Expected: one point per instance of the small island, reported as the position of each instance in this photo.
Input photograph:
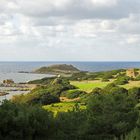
(61, 69)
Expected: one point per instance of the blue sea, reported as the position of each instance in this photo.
(9, 70)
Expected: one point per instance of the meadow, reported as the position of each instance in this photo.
(88, 86)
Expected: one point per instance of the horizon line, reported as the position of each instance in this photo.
(64, 61)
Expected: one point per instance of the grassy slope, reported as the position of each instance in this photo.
(88, 86)
(61, 107)
(132, 84)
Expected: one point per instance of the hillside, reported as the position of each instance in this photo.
(57, 69)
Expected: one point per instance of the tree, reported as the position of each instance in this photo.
(122, 80)
(20, 121)
(111, 115)
(114, 89)
(135, 91)
(71, 94)
(70, 125)
(96, 91)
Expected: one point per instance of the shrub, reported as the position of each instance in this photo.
(96, 91)
(43, 81)
(137, 78)
(107, 75)
(46, 94)
(122, 80)
(135, 91)
(111, 115)
(71, 94)
(78, 76)
(24, 122)
(114, 89)
(45, 99)
(40, 95)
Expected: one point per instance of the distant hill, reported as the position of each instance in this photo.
(57, 69)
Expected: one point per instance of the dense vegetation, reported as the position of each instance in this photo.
(122, 80)
(107, 116)
(108, 112)
(105, 75)
(24, 122)
(71, 94)
(45, 94)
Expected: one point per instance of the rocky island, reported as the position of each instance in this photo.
(61, 69)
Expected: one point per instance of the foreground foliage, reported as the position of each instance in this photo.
(24, 122)
(107, 116)
(109, 113)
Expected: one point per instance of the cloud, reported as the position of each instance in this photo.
(130, 25)
(70, 29)
(104, 3)
(76, 8)
(133, 39)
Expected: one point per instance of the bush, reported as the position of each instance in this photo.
(24, 122)
(111, 115)
(108, 75)
(78, 76)
(43, 81)
(107, 88)
(46, 94)
(118, 90)
(71, 94)
(135, 91)
(40, 95)
(45, 99)
(114, 89)
(122, 80)
(137, 78)
(96, 91)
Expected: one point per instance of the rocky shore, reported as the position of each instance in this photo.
(3, 93)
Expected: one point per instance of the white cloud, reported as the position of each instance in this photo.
(70, 29)
(133, 39)
(104, 3)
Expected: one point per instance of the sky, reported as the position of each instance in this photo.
(69, 30)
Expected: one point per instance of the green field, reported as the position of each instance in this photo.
(88, 86)
(62, 107)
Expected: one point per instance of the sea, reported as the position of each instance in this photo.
(10, 70)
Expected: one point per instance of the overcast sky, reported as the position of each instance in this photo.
(69, 30)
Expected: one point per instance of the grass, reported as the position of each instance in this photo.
(88, 86)
(62, 107)
(132, 84)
